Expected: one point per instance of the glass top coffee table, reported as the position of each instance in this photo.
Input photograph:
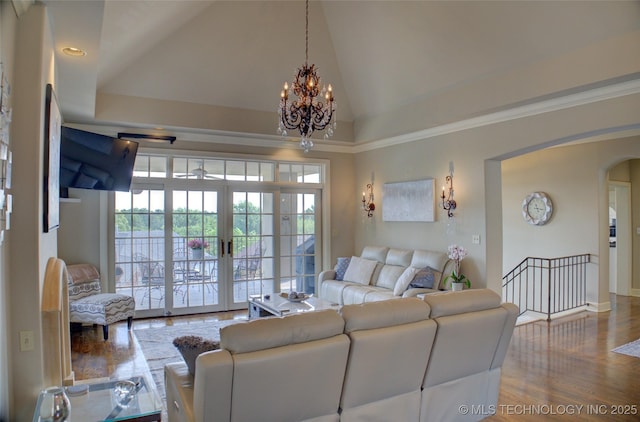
(274, 304)
(100, 403)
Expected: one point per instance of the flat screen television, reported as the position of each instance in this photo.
(93, 161)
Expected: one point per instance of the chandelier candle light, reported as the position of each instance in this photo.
(306, 113)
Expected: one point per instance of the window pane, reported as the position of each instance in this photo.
(253, 171)
(267, 171)
(141, 166)
(311, 174)
(235, 170)
(158, 167)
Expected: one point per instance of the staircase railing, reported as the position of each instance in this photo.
(547, 285)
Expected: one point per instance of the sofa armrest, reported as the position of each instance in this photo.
(213, 385)
(413, 292)
(179, 392)
(326, 275)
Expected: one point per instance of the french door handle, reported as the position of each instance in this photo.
(230, 248)
(222, 246)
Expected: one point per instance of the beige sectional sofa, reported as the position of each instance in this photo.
(382, 273)
(398, 360)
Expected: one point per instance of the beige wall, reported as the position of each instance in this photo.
(635, 223)
(571, 177)
(30, 248)
(476, 154)
(8, 22)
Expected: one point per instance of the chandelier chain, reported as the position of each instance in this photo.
(306, 37)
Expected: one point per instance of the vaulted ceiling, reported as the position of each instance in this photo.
(217, 67)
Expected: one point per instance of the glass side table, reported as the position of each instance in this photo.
(99, 403)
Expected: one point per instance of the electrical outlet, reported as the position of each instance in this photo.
(26, 341)
(475, 239)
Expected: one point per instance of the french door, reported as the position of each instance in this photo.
(200, 246)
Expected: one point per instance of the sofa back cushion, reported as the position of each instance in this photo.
(400, 257)
(376, 330)
(375, 253)
(268, 333)
(360, 270)
(470, 325)
(389, 275)
(453, 303)
(281, 362)
(435, 260)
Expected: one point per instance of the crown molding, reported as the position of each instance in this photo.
(611, 91)
(568, 101)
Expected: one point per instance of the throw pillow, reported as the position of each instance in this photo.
(360, 270)
(341, 267)
(191, 346)
(425, 278)
(405, 278)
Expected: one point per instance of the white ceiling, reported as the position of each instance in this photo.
(380, 56)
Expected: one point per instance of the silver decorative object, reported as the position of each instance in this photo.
(55, 405)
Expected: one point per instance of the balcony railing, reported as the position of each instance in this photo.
(547, 285)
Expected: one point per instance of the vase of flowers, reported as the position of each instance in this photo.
(456, 278)
(197, 247)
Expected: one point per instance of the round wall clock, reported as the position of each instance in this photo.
(537, 208)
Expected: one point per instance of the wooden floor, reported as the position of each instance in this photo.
(553, 371)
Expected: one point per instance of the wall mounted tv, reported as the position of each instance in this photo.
(93, 161)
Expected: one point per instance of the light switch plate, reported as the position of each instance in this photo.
(26, 341)
(475, 239)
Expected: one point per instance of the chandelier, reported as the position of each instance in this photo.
(307, 113)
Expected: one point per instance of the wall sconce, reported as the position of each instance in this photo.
(448, 203)
(367, 201)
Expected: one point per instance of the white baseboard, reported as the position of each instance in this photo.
(599, 307)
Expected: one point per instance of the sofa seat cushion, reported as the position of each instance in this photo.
(357, 294)
(379, 294)
(102, 309)
(360, 270)
(331, 290)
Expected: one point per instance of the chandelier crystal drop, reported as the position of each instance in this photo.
(314, 107)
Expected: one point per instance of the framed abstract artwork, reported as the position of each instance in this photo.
(409, 201)
(52, 126)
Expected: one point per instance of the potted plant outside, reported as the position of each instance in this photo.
(197, 247)
(456, 278)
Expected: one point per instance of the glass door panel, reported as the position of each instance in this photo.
(139, 248)
(253, 246)
(298, 230)
(195, 245)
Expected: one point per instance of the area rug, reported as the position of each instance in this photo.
(158, 349)
(631, 349)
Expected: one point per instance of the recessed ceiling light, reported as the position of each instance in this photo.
(75, 52)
